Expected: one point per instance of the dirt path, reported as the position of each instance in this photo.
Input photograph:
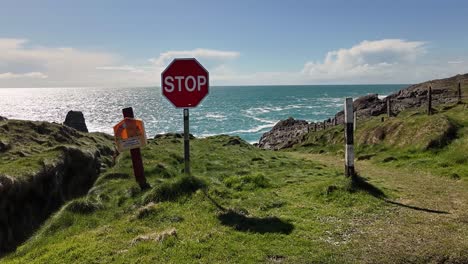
(428, 220)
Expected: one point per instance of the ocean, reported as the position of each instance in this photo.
(245, 111)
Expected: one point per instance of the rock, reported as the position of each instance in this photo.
(173, 135)
(76, 120)
(289, 132)
(365, 101)
(172, 232)
(284, 134)
(3, 118)
(4, 146)
(236, 141)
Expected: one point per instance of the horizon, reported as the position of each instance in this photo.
(122, 44)
(212, 86)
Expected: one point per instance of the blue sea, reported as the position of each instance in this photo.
(246, 111)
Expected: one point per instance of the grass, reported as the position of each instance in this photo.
(33, 145)
(243, 205)
(437, 143)
(246, 205)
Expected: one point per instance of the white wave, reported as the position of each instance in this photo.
(205, 135)
(381, 97)
(330, 99)
(252, 130)
(267, 109)
(215, 116)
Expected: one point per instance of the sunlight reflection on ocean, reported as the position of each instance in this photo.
(247, 111)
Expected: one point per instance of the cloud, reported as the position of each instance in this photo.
(33, 75)
(214, 60)
(23, 64)
(201, 54)
(366, 59)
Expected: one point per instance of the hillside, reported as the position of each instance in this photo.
(437, 143)
(287, 133)
(249, 205)
(42, 165)
(243, 204)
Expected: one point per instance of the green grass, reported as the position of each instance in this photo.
(436, 143)
(246, 205)
(33, 145)
(242, 205)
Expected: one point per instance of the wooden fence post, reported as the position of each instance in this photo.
(349, 138)
(315, 127)
(429, 101)
(459, 93)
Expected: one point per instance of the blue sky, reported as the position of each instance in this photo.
(128, 43)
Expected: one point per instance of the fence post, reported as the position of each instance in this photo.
(389, 107)
(315, 127)
(355, 121)
(459, 93)
(429, 101)
(349, 138)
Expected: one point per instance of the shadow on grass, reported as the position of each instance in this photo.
(416, 208)
(358, 183)
(244, 223)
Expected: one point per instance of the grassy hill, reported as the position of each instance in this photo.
(43, 165)
(436, 143)
(247, 205)
(243, 205)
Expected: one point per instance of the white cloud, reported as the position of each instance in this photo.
(23, 65)
(380, 61)
(33, 75)
(201, 54)
(214, 60)
(368, 58)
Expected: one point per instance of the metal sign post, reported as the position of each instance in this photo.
(186, 142)
(185, 82)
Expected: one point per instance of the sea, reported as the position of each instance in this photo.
(244, 111)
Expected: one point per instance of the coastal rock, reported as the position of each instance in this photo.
(365, 106)
(76, 120)
(289, 132)
(3, 118)
(284, 134)
(172, 135)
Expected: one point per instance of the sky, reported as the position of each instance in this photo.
(85, 43)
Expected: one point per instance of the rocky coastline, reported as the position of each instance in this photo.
(287, 133)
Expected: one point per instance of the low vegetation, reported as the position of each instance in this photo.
(247, 205)
(243, 204)
(436, 143)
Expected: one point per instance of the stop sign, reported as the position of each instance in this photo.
(185, 83)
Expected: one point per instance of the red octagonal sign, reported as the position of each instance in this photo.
(185, 83)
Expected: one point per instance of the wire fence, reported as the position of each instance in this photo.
(392, 106)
